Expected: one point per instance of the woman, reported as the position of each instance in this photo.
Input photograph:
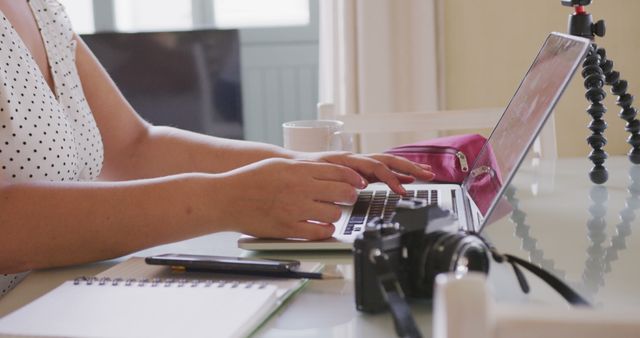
(84, 178)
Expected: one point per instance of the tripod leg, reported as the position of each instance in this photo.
(594, 80)
(625, 101)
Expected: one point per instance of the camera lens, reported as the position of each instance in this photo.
(441, 251)
(472, 257)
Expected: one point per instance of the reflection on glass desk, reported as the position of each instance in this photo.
(580, 232)
(559, 220)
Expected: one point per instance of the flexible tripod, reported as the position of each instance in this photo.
(597, 71)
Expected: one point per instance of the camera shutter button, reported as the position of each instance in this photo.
(371, 231)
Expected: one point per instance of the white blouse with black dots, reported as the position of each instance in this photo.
(45, 135)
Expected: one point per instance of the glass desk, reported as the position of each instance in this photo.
(579, 231)
(559, 219)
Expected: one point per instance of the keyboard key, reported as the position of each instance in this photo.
(378, 204)
(348, 229)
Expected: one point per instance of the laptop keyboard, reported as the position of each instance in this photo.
(381, 203)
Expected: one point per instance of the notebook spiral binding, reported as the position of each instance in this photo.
(167, 282)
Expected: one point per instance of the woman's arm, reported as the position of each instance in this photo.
(55, 224)
(135, 149)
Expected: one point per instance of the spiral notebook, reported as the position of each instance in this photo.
(152, 302)
(144, 308)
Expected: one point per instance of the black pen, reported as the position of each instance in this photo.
(278, 274)
(313, 275)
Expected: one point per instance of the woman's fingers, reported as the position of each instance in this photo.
(337, 173)
(390, 169)
(373, 170)
(405, 179)
(402, 165)
(310, 230)
(323, 212)
(334, 192)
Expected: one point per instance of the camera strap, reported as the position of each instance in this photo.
(394, 296)
(403, 320)
(555, 283)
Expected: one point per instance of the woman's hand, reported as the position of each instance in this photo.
(390, 169)
(278, 198)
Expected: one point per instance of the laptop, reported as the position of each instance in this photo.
(471, 203)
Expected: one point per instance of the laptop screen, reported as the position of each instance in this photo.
(521, 121)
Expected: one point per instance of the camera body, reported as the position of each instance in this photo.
(419, 243)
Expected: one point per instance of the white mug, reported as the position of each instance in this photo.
(316, 135)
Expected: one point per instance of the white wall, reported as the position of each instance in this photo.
(490, 44)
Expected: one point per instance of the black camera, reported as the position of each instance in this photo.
(418, 243)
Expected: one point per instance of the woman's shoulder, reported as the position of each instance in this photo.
(53, 15)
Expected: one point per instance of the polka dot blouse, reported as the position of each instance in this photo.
(45, 134)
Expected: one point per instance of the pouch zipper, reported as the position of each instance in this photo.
(462, 158)
(464, 165)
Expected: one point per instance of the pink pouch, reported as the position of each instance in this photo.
(450, 157)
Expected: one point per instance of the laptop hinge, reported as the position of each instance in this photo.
(469, 212)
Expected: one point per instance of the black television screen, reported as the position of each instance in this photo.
(186, 79)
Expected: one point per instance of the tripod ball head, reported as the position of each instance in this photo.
(571, 3)
(599, 28)
(581, 24)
